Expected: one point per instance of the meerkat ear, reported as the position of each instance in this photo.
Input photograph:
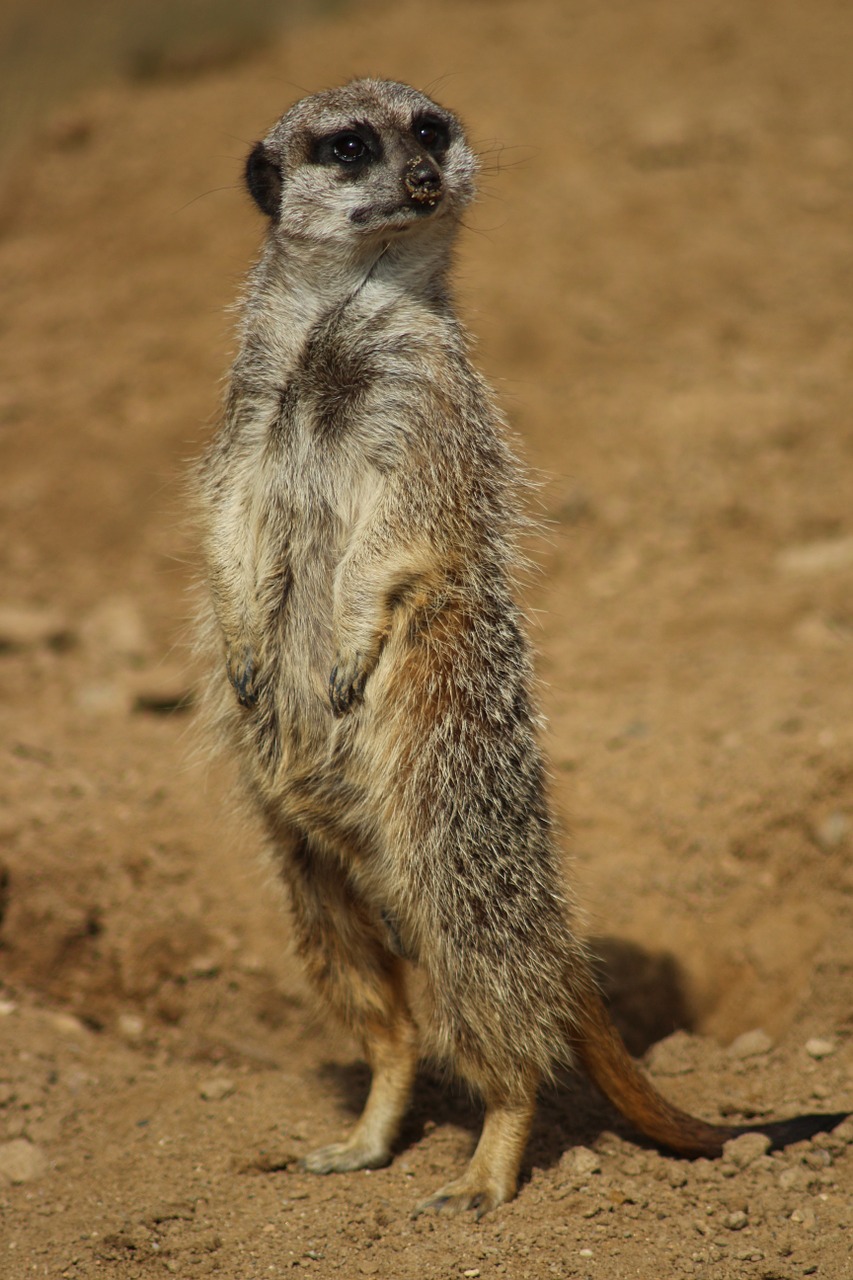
(263, 178)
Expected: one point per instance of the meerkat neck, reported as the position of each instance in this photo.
(328, 273)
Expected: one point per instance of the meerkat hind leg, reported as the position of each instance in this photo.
(393, 1056)
(492, 1174)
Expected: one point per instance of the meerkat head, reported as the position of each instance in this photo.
(374, 159)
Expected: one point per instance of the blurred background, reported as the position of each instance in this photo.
(50, 51)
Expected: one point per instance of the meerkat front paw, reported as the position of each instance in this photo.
(241, 673)
(345, 1157)
(346, 683)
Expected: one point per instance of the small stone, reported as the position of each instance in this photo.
(100, 698)
(27, 628)
(162, 691)
(817, 1048)
(579, 1163)
(844, 1132)
(7, 1007)
(216, 1089)
(67, 1024)
(832, 831)
(131, 1027)
(674, 1056)
(742, 1151)
(473, 1272)
(793, 1179)
(817, 557)
(585, 1253)
(116, 631)
(751, 1044)
(736, 1221)
(171, 1211)
(21, 1161)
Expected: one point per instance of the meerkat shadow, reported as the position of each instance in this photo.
(647, 993)
(647, 996)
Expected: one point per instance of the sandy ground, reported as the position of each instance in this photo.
(660, 275)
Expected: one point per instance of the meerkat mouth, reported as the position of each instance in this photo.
(395, 217)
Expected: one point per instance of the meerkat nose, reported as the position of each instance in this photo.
(422, 180)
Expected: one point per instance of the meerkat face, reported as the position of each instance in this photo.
(372, 159)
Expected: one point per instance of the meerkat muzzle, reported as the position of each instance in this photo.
(422, 181)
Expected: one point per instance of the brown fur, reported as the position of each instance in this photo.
(361, 509)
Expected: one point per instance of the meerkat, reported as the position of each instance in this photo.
(361, 512)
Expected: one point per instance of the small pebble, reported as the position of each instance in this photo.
(793, 1179)
(742, 1151)
(67, 1024)
(27, 628)
(817, 1048)
(579, 1162)
(817, 557)
(21, 1161)
(674, 1056)
(216, 1089)
(752, 1044)
(131, 1027)
(832, 831)
(162, 690)
(736, 1221)
(844, 1132)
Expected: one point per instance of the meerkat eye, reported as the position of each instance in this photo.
(351, 148)
(348, 147)
(432, 134)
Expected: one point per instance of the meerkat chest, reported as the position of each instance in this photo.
(339, 421)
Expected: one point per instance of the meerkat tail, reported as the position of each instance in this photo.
(611, 1068)
(609, 1065)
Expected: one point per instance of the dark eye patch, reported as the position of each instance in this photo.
(349, 149)
(432, 133)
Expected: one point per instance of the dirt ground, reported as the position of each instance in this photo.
(660, 274)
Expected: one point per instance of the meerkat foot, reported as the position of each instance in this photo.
(344, 1157)
(393, 1054)
(492, 1175)
(467, 1192)
(346, 683)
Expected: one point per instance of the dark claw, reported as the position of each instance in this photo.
(242, 677)
(434, 1202)
(346, 689)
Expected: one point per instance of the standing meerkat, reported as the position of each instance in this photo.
(361, 514)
